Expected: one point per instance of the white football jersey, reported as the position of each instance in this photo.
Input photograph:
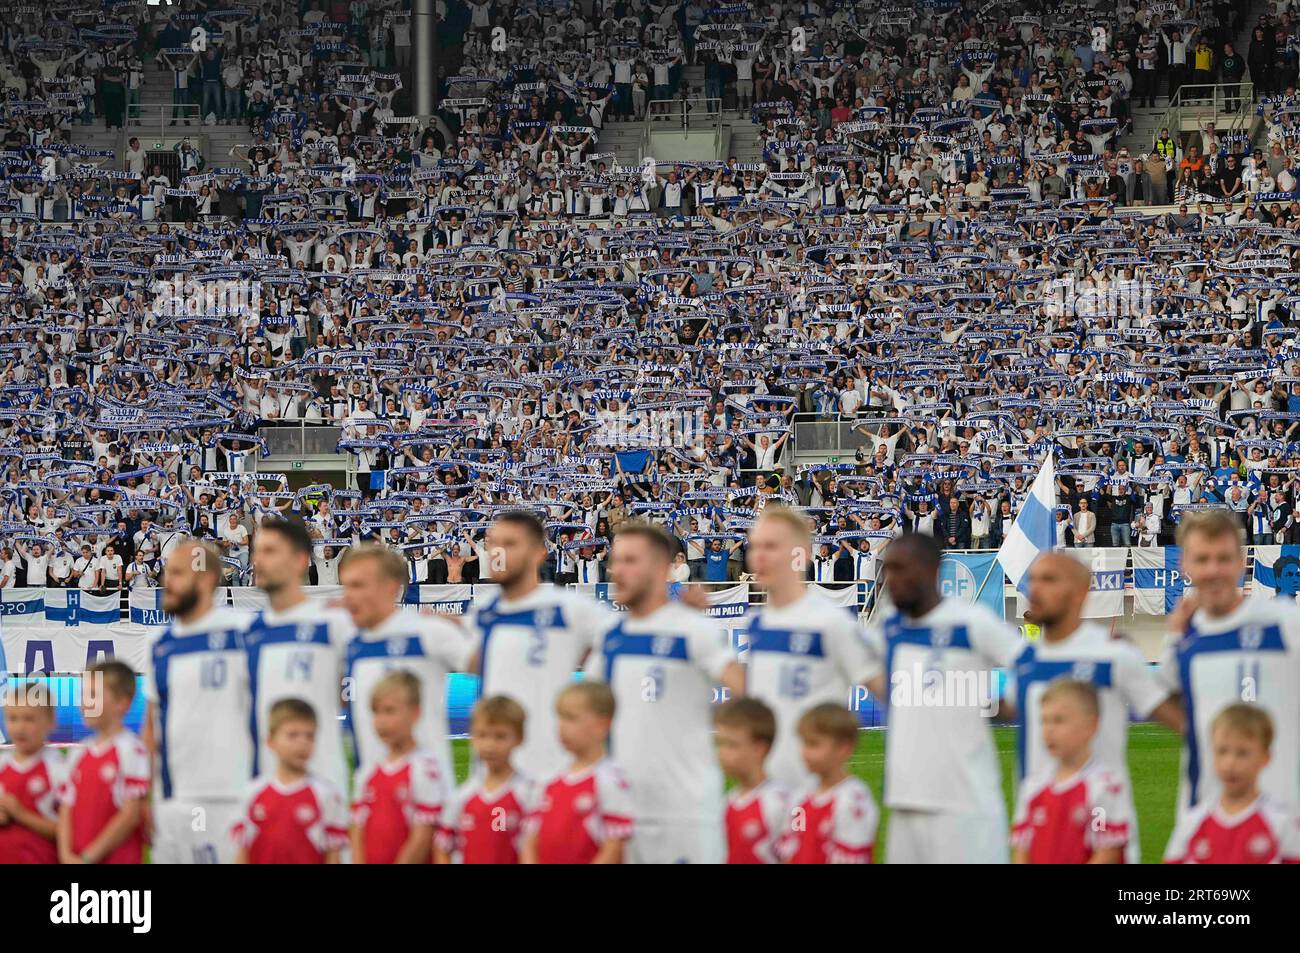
(428, 647)
(939, 751)
(529, 649)
(799, 656)
(1124, 684)
(196, 676)
(1250, 655)
(663, 670)
(299, 653)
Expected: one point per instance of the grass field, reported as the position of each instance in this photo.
(1152, 760)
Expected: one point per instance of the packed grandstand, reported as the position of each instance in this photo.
(950, 243)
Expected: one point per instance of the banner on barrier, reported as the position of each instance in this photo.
(1277, 571)
(968, 576)
(1158, 582)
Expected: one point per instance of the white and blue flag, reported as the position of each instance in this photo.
(1034, 530)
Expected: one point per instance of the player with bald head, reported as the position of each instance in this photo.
(1074, 648)
(932, 661)
(803, 650)
(199, 707)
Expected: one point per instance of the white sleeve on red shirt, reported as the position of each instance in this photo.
(132, 767)
(1187, 826)
(67, 792)
(1022, 832)
(854, 821)
(614, 799)
(430, 793)
(334, 813)
(1109, 822)
(244, 830)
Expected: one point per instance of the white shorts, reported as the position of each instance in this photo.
(194, 831)
(676, 842)
(942, 837)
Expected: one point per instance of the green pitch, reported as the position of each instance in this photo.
(1152, 761)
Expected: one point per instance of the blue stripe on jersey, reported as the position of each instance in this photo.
(401, 646)
(618, 642)
(538, 619)
(168, 646)
(1255, 638)
(896, 634)
(1030, 668)
(260, 634)
(785, 641)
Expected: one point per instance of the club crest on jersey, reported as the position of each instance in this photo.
(304, 632)
(396, 646)
(1252, 637)
(36, 785)
(216, 641)
(1083, 671)
(800, 642)
(941, 638)
(1259, 845)
(304, 813)
(661, 644)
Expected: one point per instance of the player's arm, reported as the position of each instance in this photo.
(528, 848)
(64, 836)
(1020, 855)
(357, 842)
(733, 678)
(241, 855)
(418, 848)
(1170, 714)
(115, 832)
(332, 856)
(1106, 855)
(611, 852)
(35, 821)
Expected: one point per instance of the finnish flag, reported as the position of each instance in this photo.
(1034, 530)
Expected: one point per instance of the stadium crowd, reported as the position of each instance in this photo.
(942, 247)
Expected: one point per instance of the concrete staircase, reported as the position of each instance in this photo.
(1148, 122)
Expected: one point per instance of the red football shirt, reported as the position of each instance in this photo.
(832, 827)
(291, 823)
(35, 784)
(101, 779)
(754, 822)
(1267, 832)
(396, 796)
(577, 813)
(484, 827)
(1067, 821)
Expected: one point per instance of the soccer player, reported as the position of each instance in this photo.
(803, 649)
(1232, 649)
(1079, 810)
(30, 778)
(484, 821)
(1058, 588)
(834, 817)
(392, 637)
(295, 646)
(935, 658)
(1241, 824)
(288, 815)
(101, 803)
(758, 808)
(402, 797)
(530, 639)
(662, 661)
(196, 723)
(583, 814)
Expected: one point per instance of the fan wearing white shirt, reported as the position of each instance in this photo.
(933, 660)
